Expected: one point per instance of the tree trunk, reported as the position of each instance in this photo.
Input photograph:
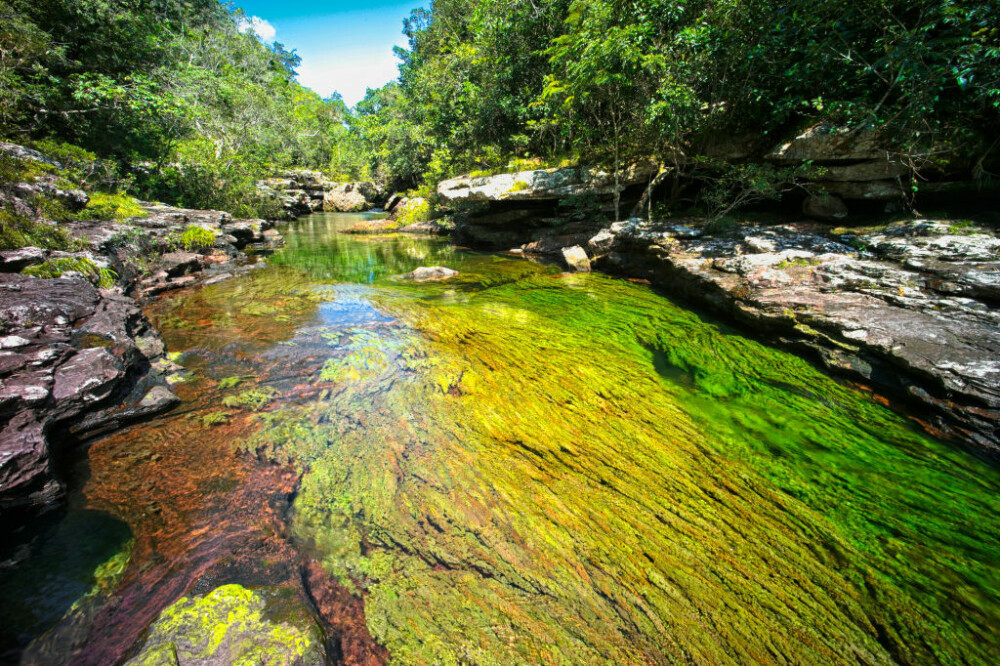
(618, 191)
(647, 196)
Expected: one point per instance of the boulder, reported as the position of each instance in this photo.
(178, 263)
(350, 197)
(14, 261)
(824, 207)
(235, 625)
(576, 258)
(872, 190)
(427, 273)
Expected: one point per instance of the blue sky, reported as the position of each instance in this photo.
(344, 46)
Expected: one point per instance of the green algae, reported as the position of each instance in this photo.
(253, 399)
(528, 467)
(234, 625)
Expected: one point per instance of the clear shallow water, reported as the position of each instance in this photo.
(522, 466)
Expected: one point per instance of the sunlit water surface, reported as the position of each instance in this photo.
(524, 466)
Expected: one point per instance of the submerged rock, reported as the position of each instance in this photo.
(425, 273)
(235, 625)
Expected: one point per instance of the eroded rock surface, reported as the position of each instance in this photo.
(74, 360)
(910, 309)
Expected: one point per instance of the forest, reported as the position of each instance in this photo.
(177, 100)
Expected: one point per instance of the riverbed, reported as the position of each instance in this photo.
(515, 465)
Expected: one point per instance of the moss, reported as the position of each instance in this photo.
(233, 382)
(802, 262)
(110, 206)
(505, 495)
(105, 278)
(20, 231)
(234, 625)
(519, 186)
(523, 467)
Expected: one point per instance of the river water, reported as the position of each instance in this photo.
(517, 465)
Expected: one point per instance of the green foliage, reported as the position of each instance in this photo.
(99, 85)
(484, 84)
(417, 210)
(103, 277)
(233, 382)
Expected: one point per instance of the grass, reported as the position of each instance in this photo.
(193, 238)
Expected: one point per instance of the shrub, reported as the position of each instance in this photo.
(418, 210)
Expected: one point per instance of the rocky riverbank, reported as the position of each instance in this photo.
(77, 356)
(907, 309)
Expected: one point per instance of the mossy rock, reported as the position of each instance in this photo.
(234, 625)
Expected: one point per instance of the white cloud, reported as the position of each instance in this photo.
(258, 26)
(348, 76)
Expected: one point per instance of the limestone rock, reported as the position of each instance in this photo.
(576, 258)
(827, 143)
(426, 273)
(872, 190)
(350, 197)
(14, 261)
(912, 314)
(69, 358)
(179, 263)
(541, 184)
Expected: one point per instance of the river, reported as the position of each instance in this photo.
(517, 465)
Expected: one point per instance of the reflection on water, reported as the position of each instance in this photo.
(524, 466)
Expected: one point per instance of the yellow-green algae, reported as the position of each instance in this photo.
(534, 468)
(234, 625)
